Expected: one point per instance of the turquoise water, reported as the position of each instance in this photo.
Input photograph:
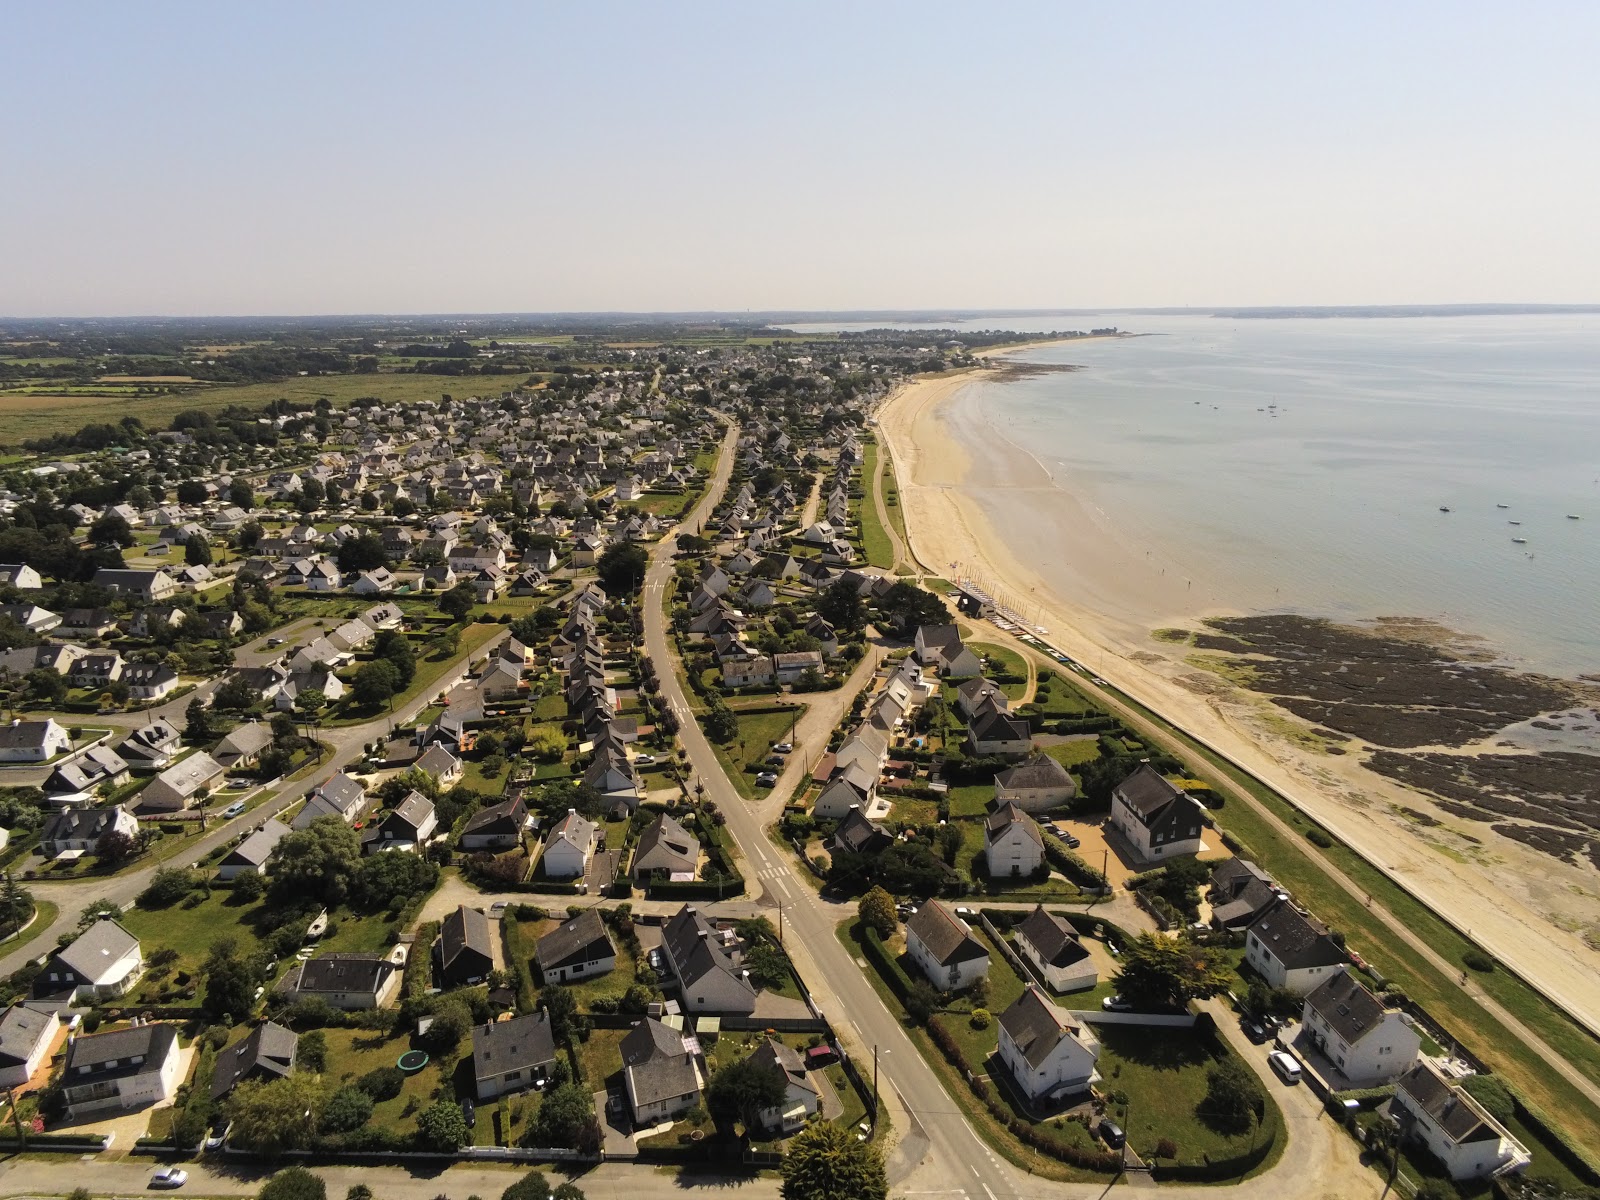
(1332, 506)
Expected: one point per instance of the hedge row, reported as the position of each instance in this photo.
(899, 982)
(1073, 867)
(1218, 1169)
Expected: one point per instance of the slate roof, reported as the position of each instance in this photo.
(996, 725)
(1295, 940)
(507, 817)
(257, 848)
(1035, 1025)
(656, 1063)
(1005, 817)
(1461, 1118)
(268, 1050)
(96, 948)
(148, 1043)
(666, 845)
(1052, 937)
(345, 973)
(466, 929)
(945, 935)
(500, 1047)
(775, 1055)
(20, 1030)
(579, 940)
(1147, 793)
(1038, 770)
(1344, 1002)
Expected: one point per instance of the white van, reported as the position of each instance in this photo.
(1285, 1065)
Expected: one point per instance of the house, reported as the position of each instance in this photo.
(26, 1036)
(568, 847)
(87, 622)
(80, 829)
(102, 963)
(152, 746)
(942, 946)
(1013, 847)
(243, 746)
(20, 576)
(378, 582)
(801, 1099)
(252, 853)
(149, 681)
(977, 695)
(1036, 784)
(348, 981)
(612, 775)
(264, 1054)
(120, 1070)
(660, 1071)
(323, 576)
(33, 741)
(438, 762)
(1048, 1055)
(96, 668)
(511, 1056)
(1456, 1128)
(668, 848)
(997, 732)
(852, 785)
(755, 670)
(697, 955)
(498, 827)
(31, 617)
(1239, 893)
(300, 682)
(81, 774)
(149, 586)
(180, 785)
(1291, 950)
(1055, 951)
(465, 948)
(341, 796)
(579, 948)
(407, 826)
(1158, 819)
(790, 668)
(1369, 1043)
(857, 835)
(940, 647)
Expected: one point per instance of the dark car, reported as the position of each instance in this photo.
(1111, 1134)
(1255, 1030)
(469, 1112)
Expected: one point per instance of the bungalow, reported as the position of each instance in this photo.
(243, 746)
(465, 948)
(666, 850)
(511, 1056)
(102, 963)
(940, 647)
(1048, 1055)
(1291, 950)
(1459, 1131)
(180, 785)
(407, 826)
(156, 619)
(120, 1070)
(1369, 1043)
(26, 1036)
(152, 746)
(755, 670)
(265, 1054)
(379, 581)
(1013, 847)
(660, 1072)
(998, 732)
(252, 853)
(1158, 819)
(791, 667)
(942, 946)
(33, 741)
(579, 948)
(1050, 944)
(498, 827)
(857, 835)
(568, 847)
(82, 774)
(342, 797)
(444, 767)
(87, 622)
(1036, 784)
(141, 585)
(801, 1099)
(347, 981)
(299, 682)
(81, 829)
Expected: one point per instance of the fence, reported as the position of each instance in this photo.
(1155, 1020)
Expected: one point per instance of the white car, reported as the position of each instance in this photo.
(645, 760)
(1116, 1004)
(169, 1177)
(1286, 1067)
(783, 747)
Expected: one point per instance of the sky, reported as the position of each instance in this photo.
(288, 158)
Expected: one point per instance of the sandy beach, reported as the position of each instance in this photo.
(1106, 599)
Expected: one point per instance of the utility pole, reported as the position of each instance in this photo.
(780, 922)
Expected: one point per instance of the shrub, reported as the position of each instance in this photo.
(1166, 1148)
(1318, 838)
(1478, 961)
(349, 1108)
(382, 1084)
(981, 1018)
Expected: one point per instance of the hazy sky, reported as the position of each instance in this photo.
(384, 157)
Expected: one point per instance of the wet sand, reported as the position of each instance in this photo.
(1102, 601)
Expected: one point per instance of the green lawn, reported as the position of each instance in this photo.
(759, 729)
(192, 932)
(600, 1056)
(875, 541)
(999, 660)
(431, 667)
(1075, 753)
(354, 1052)
(44, 915)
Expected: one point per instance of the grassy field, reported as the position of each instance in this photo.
(999, 660)
(875, 542)
(741, 759)
(354, 1052)
(44, 915)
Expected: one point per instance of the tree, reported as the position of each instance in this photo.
(198, 727)
(364, 552)
(566, 1118)
(376, 682)
(621, 568)
(395, 647)
(532, 1186)
(441, 1127)
(907, 606)
(294, 1183)
(240, 495)
(451, 1020)
(46, 685)
(840, 605)
(457, 602)
(1233, 1099)
(384, 880)
(824, 1161)
(270, 1118)
(310, 703)
(922, 1002)
(1163, 972)
(197, 552)
(166, 888)
(318, 862)
(191, 491)
(115, 848)
(721, 725)
(234, 694)
(741, 1090)
(876, 910)
(249, 886)
(111, 529)
(312, 1052)
(560, 1004)
(250, 533)
(767, 964)
(16, 906)
(230, 983)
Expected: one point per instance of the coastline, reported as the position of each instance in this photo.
(1518, 903)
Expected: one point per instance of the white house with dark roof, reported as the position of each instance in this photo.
(1158, 819)
(120, 1070)
(33, 741)
(80, 829)
(348, 981)
(252, 853)
(700, 959)
(1013, 847)
(997, 732)
(578, 948)
(665, 847)
(103, 963)
(512, 1056)
(342, 796)
(944, 948)
(660, 1072)
(940, 647)
(1291, 950)
(407, 826)
(1370, 1044)
(568, 846)
(1455, 1127)
(801, 1099)
(26, 1036)
(180, 785)
(1035, 784)
(1055, 951)
(1049, 1055)
(465, 947)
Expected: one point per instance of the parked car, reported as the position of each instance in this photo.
(783, 747)
(1255, 1030)
(1116, 1004)
(645, 760)
(1285, 1066)
(469, 1112)
(234, 809)
(766, 779)
(775, 760)
(274, 642)
(655, 960)
(1111, 1134)
(169, 1177)
(1072, 840)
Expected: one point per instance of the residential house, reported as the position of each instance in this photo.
(940, 647)
(1291, 950)
(149, 681)
(80, 829)
(697, 954)
(151, 746)
(27, 1034)
(31, 617)
(96, 669)
(1055, 951)
(660, 1072)
(378, 582)
(511, 1056)
(264, 1054)
(347, 981)
(87, 622)
(850, 785)
(342, 796)
(498, 827)
(578, 948)
(568, 847)
(33, 741)
(73, 780)
(252, 853)
(465, 948)
(1370, 1043)
(790, 668)
(857, 835)
(1239, 893)
(944, 949)
(1013, 847)
(1158, 819)
(149, 586)
(752, 670)
(1036, 784)
(801, 1099)
(665, 850)
(242, 747)
(20, 576)
(1459, 1131)
(1049, 1055)
(443, 766)
(102, 963)
(180, 785)
(974, 696)
(120, 1070)
(407, 826)
(996, 732)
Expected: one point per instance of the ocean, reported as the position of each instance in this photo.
(1301, 465)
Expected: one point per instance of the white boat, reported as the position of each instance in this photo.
(1520, 541)
(1574, 517)
(1502, 506)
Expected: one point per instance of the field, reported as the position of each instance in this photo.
(759, 729)
(875, 543)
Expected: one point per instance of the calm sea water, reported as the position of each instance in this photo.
(1329, 503)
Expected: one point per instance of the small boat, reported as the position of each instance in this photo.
(1502, 506)
(1520, 541)
(1444, 508)
(1574, 517)
(1513, 522)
